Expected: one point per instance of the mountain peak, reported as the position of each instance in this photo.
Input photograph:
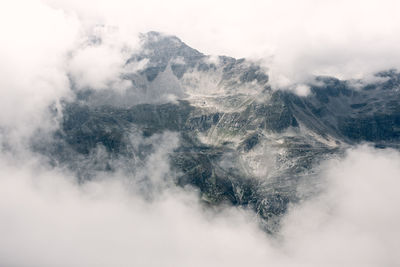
(168, 46)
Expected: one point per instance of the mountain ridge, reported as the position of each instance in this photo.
(240, 142)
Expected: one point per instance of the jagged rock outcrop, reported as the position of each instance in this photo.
(240, 141)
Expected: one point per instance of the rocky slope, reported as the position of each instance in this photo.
(239, 141)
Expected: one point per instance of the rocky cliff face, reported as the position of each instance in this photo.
(239, 141)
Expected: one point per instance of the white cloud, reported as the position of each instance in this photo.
(42, 41)
(302, 90)
(100, 60)
(96, 67)
(296, 38)
(51, 220)
(355, 221)
(33, 47)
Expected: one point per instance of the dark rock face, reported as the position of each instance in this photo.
(161, 50)
(369, 114)
(247, 146)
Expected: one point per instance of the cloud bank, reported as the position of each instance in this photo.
(50, 220)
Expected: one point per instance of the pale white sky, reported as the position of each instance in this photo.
(337, 37)
(293, 39)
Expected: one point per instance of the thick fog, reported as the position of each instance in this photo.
(48, 218)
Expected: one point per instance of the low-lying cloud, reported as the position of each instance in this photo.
(354, 221)
(48, 219)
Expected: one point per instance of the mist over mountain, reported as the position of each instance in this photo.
(234, 139)
(236, 134)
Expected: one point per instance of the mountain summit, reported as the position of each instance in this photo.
(238, 141)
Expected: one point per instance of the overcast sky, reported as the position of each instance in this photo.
(337, 37)
(41, 41)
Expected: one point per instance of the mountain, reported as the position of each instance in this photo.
(239, 142)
